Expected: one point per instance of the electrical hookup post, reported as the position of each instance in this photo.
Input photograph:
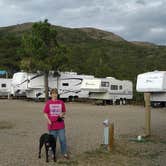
(108, 134)
(147, 115)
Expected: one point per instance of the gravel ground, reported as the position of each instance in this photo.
(22, 123)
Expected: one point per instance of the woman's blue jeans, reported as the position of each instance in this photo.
(62, 139)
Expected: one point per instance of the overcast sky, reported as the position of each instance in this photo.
(133, 20)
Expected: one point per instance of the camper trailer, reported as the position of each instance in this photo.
(30, 85)
(69, 85)
(35, 85)
(5, 84)
(109, 89)
(19, 84)
(155, 83)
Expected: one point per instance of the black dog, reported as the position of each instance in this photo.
(50, 142)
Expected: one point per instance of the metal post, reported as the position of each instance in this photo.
(106, 135)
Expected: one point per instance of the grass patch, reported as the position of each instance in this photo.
(68, 162)
(95, 157)
(99, 151)
(127, 153)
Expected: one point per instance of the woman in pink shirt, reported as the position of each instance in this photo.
(54, 112)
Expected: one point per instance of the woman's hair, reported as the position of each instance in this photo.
(54, 91)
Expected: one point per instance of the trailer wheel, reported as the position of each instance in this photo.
(117, 102)
(124, 102)
(71, 98)
(75, 98)
(156, 104)
(64, 99)
(104, 102)
(152, 104)
(109, 102)
(164, 104)
(120, 101)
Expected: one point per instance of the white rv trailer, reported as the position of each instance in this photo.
(35, 88)
(5, 84)
(67, 83)
(155, 83)
(30, 85)
(19, 84)
(109, 89)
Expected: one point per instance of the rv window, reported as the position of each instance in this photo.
(3, 85)
(105, 84)
(114, 87)
(65, 84)
(120, 87)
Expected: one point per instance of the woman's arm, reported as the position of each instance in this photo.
(62, 114)
(48, 120)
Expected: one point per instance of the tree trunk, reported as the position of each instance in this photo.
(46, 85)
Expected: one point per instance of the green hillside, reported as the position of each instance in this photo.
(90, 51)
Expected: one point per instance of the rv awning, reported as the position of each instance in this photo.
(2, 72)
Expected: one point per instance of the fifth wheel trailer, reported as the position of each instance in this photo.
(109, 89)
(155, 83)
(19, 84)
(5, 84)
(35, 85)
(67, 83)
(31, 85)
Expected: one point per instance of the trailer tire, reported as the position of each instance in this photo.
(156, 104)
(117, 102)
(71, 98)
(124, 101)
(104, 102)
(109, 102)
(120, 101)
(75, 98)
(164, 104)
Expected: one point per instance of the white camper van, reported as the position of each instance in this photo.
(5, 84)
(109, 89)
(155, 83)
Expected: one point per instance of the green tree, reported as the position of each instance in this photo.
(41, 51)
(9, 43)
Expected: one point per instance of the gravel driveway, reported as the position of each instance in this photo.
(22, 123)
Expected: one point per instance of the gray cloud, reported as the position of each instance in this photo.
(138, 20)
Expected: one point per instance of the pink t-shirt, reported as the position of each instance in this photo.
(53, 108)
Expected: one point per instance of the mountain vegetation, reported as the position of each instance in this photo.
(89, 51)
